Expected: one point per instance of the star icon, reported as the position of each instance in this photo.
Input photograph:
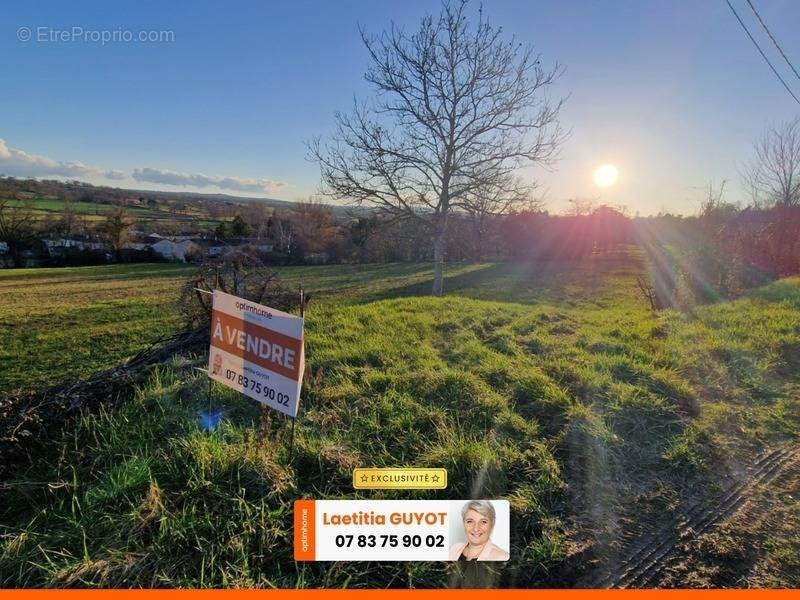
(435, 478)
(364, 478)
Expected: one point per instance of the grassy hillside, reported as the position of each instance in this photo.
(52, 205)
(62, 323)
(551, 386)
(94, 212)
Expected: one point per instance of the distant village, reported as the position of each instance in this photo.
(144, 247)
(52, 223)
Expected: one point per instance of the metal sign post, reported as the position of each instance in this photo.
(208, 421)
(302, 316)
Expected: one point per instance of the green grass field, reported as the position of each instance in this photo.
(93, 212)
(64, 323)
(46, 205)
(549, 385)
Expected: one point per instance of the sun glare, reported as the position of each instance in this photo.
(605, 175)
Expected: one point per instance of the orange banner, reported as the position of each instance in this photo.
(304, 530)
(395, 594)
(266, 348)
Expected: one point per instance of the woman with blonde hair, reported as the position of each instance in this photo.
(478, 518)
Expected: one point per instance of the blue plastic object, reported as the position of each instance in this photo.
(209, 421)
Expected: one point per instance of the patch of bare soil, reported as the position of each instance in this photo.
(745, 535)
(756, 543)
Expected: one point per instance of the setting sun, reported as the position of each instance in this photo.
(606, 175)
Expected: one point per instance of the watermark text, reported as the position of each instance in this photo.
(53, 35)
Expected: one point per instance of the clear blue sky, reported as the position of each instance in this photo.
(672, 92)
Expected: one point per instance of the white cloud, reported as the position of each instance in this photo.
(18, 163)
(238, 184)
(21, 164)
(114, 174)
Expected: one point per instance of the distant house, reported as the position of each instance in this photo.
(176, 251)
(260, 244)
(215, 250)
(55, 246)
(36, 255)
(153, 238)
(5, 257)
(135, 246)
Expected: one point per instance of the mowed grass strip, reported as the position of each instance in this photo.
(64, 323)
(551, 386)
(50, 206)
(58, 324)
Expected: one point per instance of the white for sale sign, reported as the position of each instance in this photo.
(257, 351)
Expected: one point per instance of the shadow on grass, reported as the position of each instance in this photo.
(563, 282)
(94, 273)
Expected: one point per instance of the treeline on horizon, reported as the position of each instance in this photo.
(724, 248)
(720, 252)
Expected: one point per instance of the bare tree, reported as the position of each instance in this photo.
(69, 218)
(773, 176)
(715, 211)
(18, 227)
(579, 207)
(487, 202)
(239, 272)
(314, 227)
(458, 109)
(281, 225)
(114, 230)
(257, 214)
